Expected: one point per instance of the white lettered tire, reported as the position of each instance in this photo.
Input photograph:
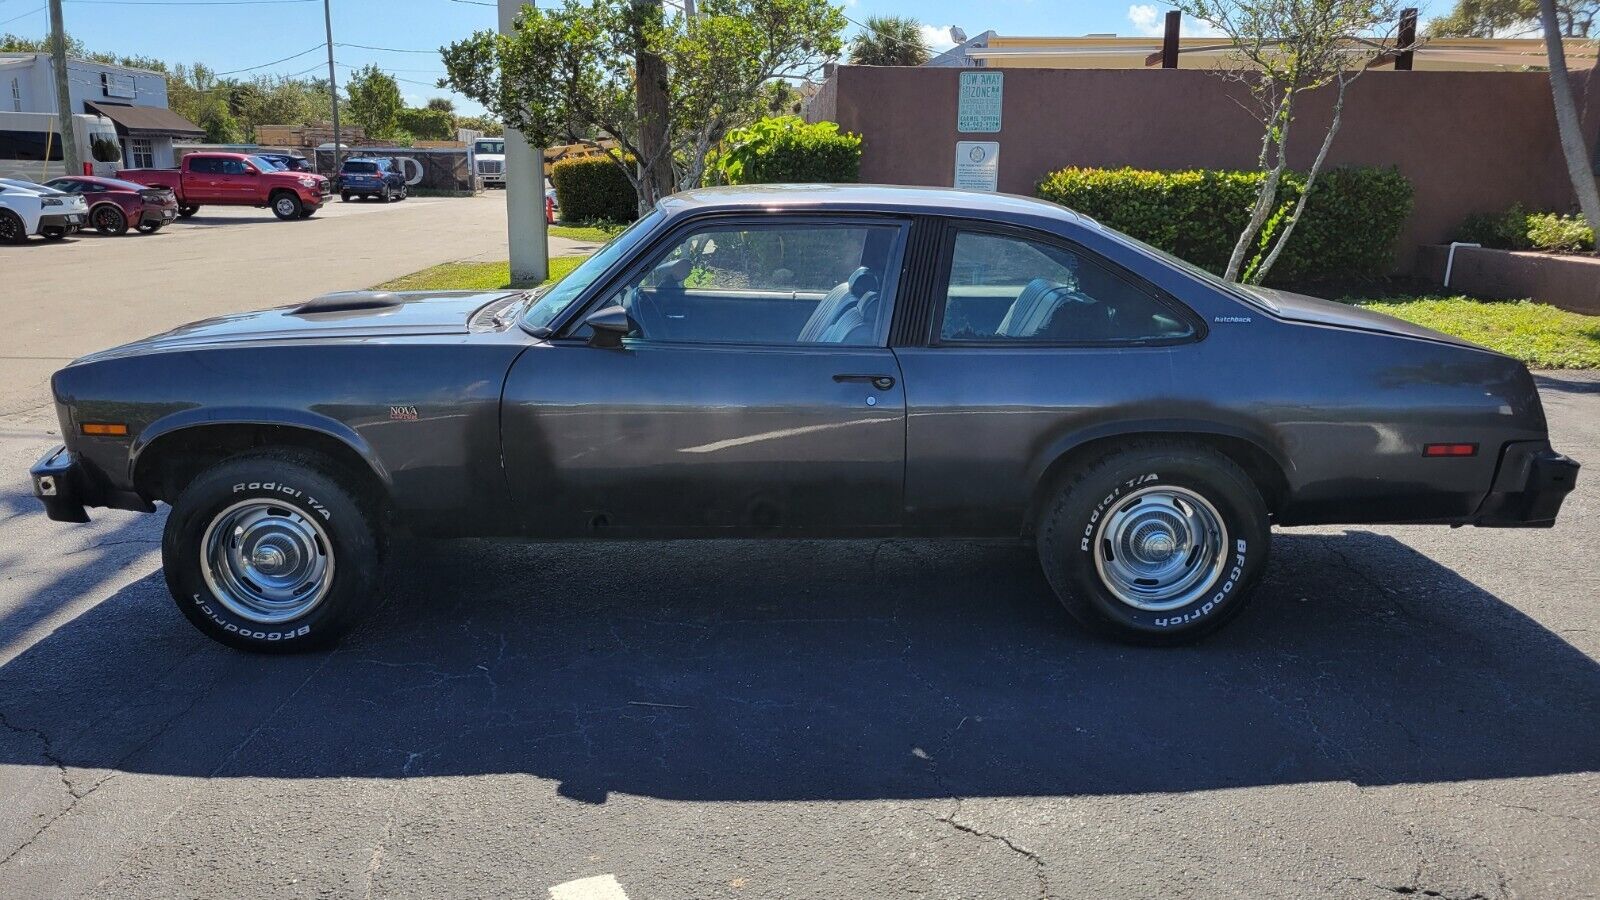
(1158, 543)
(270, 552)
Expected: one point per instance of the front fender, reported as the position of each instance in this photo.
(186, 419)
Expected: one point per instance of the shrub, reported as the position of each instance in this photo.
(1349, 227)
(1502, 231)
(787, 149)
(1568, 234)
(593, 189)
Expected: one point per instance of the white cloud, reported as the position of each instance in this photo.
(1150, 21)
(937, 37)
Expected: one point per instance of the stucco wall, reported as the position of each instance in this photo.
(1468, 141)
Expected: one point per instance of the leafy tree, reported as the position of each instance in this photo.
(1509, 18)
(889, 41)
(427, 123)
(486, 124)
(1286, 48)
(665, 89)
(373, 101)
(442, 104)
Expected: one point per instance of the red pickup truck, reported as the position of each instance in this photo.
(236, 179)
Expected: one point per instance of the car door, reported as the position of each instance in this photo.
(1033, 342)
(200, 180)
(239, 182)
(754, 392)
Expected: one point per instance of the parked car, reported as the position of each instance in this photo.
(27, 208)
(236, 179)
(115, 204)
(833, 361)
(287, 162)
(368, 178)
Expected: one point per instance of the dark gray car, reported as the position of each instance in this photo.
(797, 361)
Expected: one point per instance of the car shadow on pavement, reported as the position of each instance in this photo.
(821, 670)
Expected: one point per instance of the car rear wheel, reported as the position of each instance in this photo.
(286, 205)
(1160, 543)
(405, 191)
(269, 552)
(345, 196)
(11, 230)
(185, 211)
(150, 227)
(109, 220)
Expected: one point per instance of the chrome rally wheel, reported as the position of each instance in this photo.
(267, 562)
(1160, 547)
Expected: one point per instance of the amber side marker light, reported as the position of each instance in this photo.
(105, 429)
(1449, 449)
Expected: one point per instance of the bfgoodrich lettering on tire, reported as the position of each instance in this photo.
(269, 552)
(1157, 543)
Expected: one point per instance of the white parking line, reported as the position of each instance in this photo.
(599, 887)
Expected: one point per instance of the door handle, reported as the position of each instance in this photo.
(881, 382)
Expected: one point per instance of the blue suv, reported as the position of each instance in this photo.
(366, 178)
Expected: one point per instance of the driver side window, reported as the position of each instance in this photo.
(799, 283)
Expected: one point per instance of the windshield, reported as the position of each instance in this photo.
(561, 294)
(490, 147)
(264, 164)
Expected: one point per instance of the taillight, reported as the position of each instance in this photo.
(1450, 450)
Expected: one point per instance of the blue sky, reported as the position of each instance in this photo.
(229, 37)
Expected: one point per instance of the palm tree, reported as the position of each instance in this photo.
(889, 41)
(1579, 167)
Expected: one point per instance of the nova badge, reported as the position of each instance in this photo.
(403, 413)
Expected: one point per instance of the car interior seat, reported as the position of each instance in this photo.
(840, 300)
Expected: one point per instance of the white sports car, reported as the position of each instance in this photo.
(27, 208)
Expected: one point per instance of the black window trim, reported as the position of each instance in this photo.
(667, 238)
(940, 293)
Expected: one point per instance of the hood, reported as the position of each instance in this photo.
(1301, 308)
(349, 315)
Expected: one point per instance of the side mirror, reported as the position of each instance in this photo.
(608, 327)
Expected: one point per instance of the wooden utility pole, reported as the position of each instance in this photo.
(58, 55)
(1169, 40)
(333, 85)
(1407, 40)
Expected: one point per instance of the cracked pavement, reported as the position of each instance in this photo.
(1403, 712)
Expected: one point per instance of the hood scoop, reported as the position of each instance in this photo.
(348, 301)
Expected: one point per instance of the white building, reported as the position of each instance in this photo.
(134, 99)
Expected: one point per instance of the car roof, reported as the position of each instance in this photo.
(350, 159)
(865, 197)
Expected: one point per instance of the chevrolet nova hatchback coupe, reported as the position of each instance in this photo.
(788, 361)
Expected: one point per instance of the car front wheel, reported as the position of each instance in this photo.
(287, 206)
(1160, 543)
(270, 552)
(185, 211)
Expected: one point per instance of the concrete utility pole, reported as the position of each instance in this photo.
(58, 54)
(525, 230)
(333, 83)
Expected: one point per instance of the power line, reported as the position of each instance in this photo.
(273, 63)
(385, 49)
(24, 15)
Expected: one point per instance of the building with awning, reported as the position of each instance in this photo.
(134, 99)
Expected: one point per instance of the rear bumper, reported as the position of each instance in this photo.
(158, 215)
(68, 222)
(1529, 488)
(64, 488)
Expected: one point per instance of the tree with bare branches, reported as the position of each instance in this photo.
(1282, 50)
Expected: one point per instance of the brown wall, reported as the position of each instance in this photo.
(1469, 141)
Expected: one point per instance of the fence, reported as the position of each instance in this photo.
(447, 170)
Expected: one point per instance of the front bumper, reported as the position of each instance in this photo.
(56, 482)
(65, 488)
(1528, 490)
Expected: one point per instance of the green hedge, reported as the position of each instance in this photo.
(593, 189)
(787, 149)
(1349, 227)
(1518, 229)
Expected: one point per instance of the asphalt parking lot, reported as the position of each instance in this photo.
(1404, 711)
